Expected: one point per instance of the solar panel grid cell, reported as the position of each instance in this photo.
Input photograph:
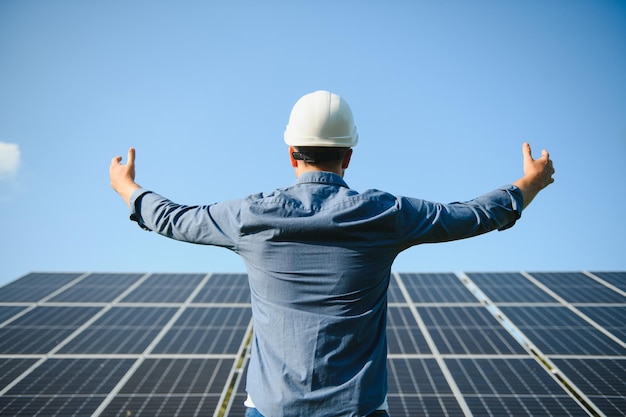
(511, 287)
(598, 377)
(424, 405)
(611, 406)
(468, 330)
(7, 312)
(42, 328)
(35, 286)
(558, 330)
(58, 316)
(418, 387)
(612, 318)
(576, 287)
(617, 279)
(436, 288)
(602, 380)
(97, 288)
(511, 387)
(11, 368)
(44, 406)
(403, 333)
(225, 288)
(394, 294)
(164, 288)
(121, 330)
(489, 376)
(416, 376)
(31, 341)
(179, 376)
(72, 377)
(162, 405)
(205, 330)
(524, 406)
(64, 387)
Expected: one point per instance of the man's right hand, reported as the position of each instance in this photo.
(537, 174)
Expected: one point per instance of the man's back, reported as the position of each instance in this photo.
(319, 257)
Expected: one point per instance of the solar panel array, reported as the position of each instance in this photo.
(460, 344)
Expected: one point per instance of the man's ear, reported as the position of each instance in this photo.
(346, 159)
(294, 162)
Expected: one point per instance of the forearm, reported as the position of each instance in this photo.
(126, 191)
(528, 188)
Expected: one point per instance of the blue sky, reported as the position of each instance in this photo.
(443, 94)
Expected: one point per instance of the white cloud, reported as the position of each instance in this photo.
(9, 159)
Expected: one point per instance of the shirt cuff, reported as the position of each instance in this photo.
(517, 204)
(135, 207)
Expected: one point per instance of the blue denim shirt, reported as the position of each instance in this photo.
(319, 258)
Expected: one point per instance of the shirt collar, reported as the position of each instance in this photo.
(321, 177)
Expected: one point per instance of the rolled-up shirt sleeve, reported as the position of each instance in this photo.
(215, 224)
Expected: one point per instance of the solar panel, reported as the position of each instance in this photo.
(403, 333)
(35, 286)
(576, 287)
(11, 368)
(172, 387)
(617, 279)
(436, 288)
(611, 318)
(468, 330)
(213, 330)
(225, 288)
(7, 312)
(164, 288)
(558, 330)
(498, 386)
(502, 344)
(394, 293)
(42, 329)
(97, 288)
(121, 330)
(419, 387)
(601, 379)
(66, 387)
(511, 287)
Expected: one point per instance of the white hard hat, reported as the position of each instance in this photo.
(321, 119)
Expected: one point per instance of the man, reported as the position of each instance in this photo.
(319, 256)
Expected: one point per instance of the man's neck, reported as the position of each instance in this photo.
(302, 168)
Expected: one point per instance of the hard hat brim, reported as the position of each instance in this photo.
(335, 142)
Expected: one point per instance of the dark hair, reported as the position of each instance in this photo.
(316, 154)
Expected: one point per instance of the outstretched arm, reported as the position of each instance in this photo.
(537, 174)
(123, 176)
